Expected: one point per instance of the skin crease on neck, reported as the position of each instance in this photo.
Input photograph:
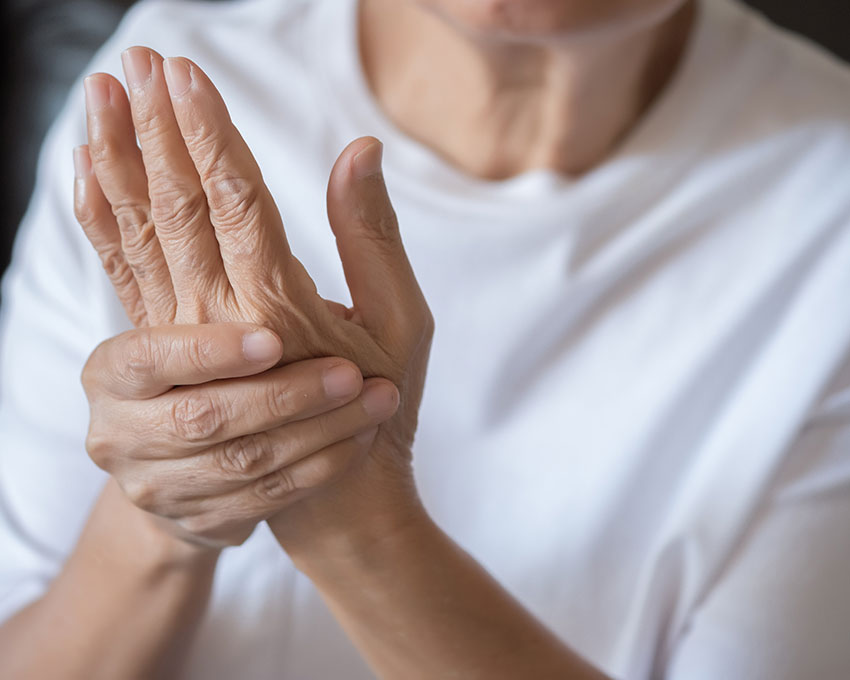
(497, 96)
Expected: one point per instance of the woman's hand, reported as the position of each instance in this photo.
(198, 238)
(235, 442)
(189, 233)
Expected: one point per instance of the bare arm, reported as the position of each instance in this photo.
(125, 605)
(194, 468)
(419, 607)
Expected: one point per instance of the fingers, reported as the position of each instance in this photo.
(275, 491)
(382, 284)
(246, 221)
(269, 495)
(189, 419)
(145, 363)
(238, 462)
(214, 515)
(117, 164)
(94, 213)
(177, 201)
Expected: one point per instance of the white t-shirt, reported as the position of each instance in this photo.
(637, 413)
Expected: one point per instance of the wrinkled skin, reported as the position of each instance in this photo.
(189, 234)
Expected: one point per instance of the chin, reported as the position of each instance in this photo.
(524, 20)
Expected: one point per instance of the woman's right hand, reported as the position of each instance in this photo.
(199, 432)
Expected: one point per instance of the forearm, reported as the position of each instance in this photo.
(418, 606)
(124, 606)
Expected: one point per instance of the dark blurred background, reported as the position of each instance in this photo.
(47, 43)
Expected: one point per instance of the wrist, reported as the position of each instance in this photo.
(174, 547)
(363, 545)
(150, 538)
(371, 509)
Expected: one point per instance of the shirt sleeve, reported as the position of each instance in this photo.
(781, 608)
(57, 305)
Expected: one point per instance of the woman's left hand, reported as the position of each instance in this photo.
(189, 233)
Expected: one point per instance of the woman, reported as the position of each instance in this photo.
(631, 226)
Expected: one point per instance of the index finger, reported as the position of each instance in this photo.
(246, 220)
(147, 362)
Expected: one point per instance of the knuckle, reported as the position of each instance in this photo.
(197, 417)
(117, 269)
(275, 486)
(149, 121)
(90, 375)
(428, 320)
(424, 323)
(141, 493)
(137, 228)
(174, 206)
(206, 142)
(233, 200)
(114, 263)
(104, 146)
(282, 401)
(140, 357)
(381, 228)
(327, 467)
(198, 351)
(243, 457)
(83, 212)
(387, 226)
(98, 447)
(417, 329)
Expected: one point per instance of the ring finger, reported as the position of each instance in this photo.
(117, 164)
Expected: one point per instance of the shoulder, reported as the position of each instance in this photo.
(164, 19)
(203, 30)
(795, 93)
(791, 69)
(779, 150)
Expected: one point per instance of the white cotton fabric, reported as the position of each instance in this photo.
(637, 414)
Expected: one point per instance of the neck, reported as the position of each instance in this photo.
(495, 109)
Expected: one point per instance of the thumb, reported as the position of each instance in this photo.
(379, 276)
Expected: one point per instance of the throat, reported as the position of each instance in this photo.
(497, 110)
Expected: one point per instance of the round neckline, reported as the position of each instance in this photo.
(420, 171)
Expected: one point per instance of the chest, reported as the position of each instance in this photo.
(576, 392)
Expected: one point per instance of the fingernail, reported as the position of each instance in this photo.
(341, 381)
(368, 162)
(379, 401)
(367, 437)
(82, 162)
(261, 347)
(178, 76)
(97, 93)
(137, 66)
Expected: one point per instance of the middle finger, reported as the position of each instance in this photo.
(178, 203)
